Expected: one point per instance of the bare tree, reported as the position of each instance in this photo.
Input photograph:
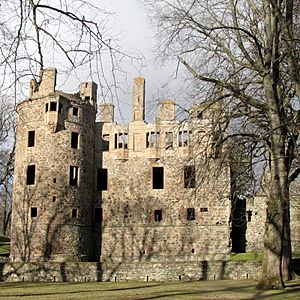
(248, 50)
(73, 36)
(7, 141)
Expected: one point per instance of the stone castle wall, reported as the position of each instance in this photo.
(143, 271)
(142, 200)
(52, 219)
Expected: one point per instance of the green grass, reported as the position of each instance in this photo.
(256, 256)
(4, 245)
(219, 289)
(4, 239)
(296, 254)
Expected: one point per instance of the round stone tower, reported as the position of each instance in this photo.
(53, 184)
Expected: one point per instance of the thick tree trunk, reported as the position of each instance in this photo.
(277, 264)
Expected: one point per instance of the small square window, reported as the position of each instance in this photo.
(158, 215)
(33, 212)
(53, 106)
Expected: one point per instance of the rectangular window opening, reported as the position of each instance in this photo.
(98, 215)
(53, 198)
(75, 111)
(152, 139)
(74, 140)
(121, 140)
(190, 214)
(74, 213)
(102, 180)
(158, 177)
(30, 175)
(53, 106)
(158, 215)
(189, 176)
(74, 175)
(249, 215)
(203, 209)
(31, 138)
(184, 138)
(33, 212)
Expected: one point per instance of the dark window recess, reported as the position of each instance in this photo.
(157, 215)
(184, 138)
(54, 180)
(121, 140)
(53, 106)
(53, 198)
(74, 140)
(31, 137)
(249, 215)
(46, 107)
(102, 180)
(74, 175)
(204, 209)
(74, 213)
(190, 214)
(98, 215)
(158, 177)
(193, 250)
(87, 98)
(75, 111)
(189, 176)
(30, 175)
(105, 142)
(33, 212)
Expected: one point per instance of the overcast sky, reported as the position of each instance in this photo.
(136, 34)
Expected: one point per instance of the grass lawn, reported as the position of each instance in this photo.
(4, 245)
(219, 289)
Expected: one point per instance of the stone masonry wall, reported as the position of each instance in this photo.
(143, 271)
(52, 220)
(129, 229)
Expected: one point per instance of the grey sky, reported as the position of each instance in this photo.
(136, 34)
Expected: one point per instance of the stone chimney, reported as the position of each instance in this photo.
(166, 111)
(106, 113)
(46, 85)
(138, 99)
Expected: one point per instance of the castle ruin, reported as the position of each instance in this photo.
(88, 190)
